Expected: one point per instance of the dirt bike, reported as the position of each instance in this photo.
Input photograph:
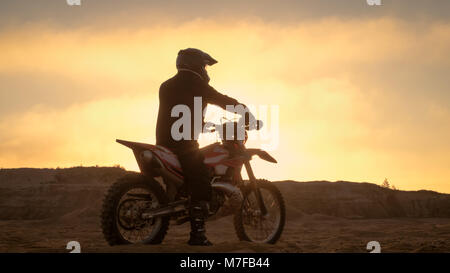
(139, 206)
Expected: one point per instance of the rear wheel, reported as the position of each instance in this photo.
(251, 225)
(123, 206)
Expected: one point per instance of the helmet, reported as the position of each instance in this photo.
(195, 60)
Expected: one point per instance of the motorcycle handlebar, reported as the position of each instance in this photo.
(256, 125)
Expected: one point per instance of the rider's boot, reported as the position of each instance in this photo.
(198, 213)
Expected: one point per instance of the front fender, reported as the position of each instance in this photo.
(262, 154)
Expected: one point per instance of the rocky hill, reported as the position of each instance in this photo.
(77, 192)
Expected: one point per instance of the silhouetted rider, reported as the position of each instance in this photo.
(191, 81)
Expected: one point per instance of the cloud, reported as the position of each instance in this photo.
(80, 134)
(120, 13)
(360, 99)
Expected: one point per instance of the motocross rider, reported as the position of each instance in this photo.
(191, 81)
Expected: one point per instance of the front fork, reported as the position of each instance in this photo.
(255, 188)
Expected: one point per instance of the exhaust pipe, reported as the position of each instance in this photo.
(233, 204)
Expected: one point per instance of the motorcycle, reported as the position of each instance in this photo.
(139, 207)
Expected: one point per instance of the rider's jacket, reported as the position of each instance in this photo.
(181, 89)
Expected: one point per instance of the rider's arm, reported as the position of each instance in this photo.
(214, 97)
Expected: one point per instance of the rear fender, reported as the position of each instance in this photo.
(155, 166)
(150, 164)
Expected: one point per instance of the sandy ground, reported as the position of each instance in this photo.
(41, 210)
(315, 233)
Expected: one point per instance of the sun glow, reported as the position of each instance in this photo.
(337, 119)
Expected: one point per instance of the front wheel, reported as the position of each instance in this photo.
(251, 225)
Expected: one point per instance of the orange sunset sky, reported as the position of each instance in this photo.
(363, 92)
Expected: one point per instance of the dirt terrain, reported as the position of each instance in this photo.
(41, 210)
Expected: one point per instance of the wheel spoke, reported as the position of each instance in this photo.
(257, 227)
(130, 225)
